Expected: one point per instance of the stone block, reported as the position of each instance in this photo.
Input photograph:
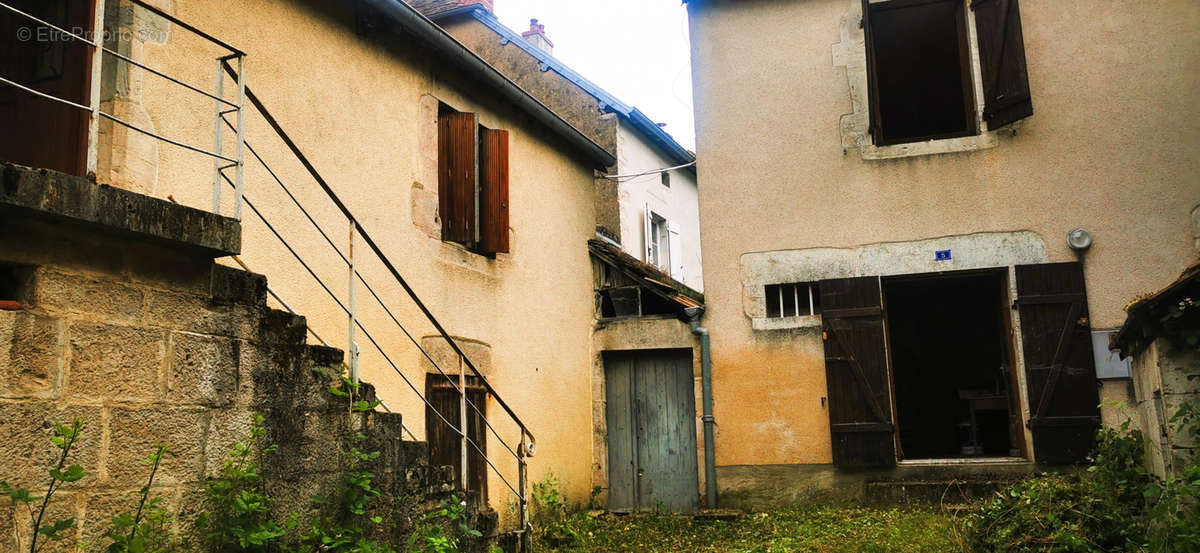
(30, 352)
(27, 453)
(63, 505)
(135, 433)
(115, 362)
(225, 428)
(233, 286)
(77, 294)
(100, 508)
(203, 369)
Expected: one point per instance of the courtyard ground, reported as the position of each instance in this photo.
(816, 529)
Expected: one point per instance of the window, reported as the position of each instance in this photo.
(666, 179)
(920, 70)
(792, 300)
(15, 283)
(658, 248)
(472, 182)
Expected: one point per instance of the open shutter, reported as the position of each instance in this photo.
(873, 123)
(457, 175)
(860, 414)
(1060, 372)
(675, 250)
(647, 230)
(1002, 59)
(493, 191)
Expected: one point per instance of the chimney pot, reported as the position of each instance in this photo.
(536, 35)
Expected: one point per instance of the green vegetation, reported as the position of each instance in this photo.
(823, 529)
(147, 529)
(64, 439)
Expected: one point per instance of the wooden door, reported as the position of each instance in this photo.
(1060, 372)
(651, 414)
(856, 371)
(40, 132)
(445, 447)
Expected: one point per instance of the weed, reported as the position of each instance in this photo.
(64, 439)
(146, 530)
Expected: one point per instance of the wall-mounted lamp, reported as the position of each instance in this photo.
(1079, 240)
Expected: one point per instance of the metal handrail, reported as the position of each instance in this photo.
(93, 106)
(527, 446)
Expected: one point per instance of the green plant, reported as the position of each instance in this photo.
(551, 514)
(146, 530)
(431, 536)
(240, 515)
(64, 439)
(343, 530)
(1175, 501)
(594, 498)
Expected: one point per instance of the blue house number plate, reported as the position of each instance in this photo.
(942, 255)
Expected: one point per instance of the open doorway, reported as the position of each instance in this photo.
(951, 365)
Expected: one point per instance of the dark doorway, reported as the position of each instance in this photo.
(445, 441)
(40, 132)
(951, 365)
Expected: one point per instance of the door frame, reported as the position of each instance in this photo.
(1013, 350)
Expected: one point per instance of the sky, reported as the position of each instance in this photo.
(637, 50)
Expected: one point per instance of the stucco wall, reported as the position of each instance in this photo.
(1111, 147)
(363, 109)
(677, 203)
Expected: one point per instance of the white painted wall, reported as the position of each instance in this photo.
(678, 203)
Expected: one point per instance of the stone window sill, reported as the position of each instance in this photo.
(785, 323)
(981, 141)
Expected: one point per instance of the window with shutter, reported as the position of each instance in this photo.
(473, 183)
(921, 72)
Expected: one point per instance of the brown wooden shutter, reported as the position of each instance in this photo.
(874, 124)
(1002, 59)
(493, 191)
(856, 372)
(445, 447)
(457, 175)
(1060, 373)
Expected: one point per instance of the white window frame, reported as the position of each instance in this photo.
(658, 240)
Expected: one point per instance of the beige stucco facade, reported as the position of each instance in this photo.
(790, 193)
(362, 104)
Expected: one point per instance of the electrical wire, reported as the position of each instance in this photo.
(650, 172)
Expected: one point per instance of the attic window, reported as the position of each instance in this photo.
(792, 300)
(666, 179)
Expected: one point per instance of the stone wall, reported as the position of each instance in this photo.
(147, 340)
(1165, 377)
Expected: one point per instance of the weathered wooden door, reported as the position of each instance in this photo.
(1060, 372)
(445, 445)
(856, 373)
(651, 414)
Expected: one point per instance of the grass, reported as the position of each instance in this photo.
(814, 529)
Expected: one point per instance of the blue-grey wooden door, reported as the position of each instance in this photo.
(651, 414)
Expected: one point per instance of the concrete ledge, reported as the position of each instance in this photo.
(65, 197)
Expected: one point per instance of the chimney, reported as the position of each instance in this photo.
(430, 8)
(536, 35)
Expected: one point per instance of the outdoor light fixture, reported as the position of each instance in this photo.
(1079, 239)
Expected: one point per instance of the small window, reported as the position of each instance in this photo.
(792, 300)
(666, 179)
(472, 182)
(659, 249)
(15, 286)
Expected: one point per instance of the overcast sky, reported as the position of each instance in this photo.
(637, 50)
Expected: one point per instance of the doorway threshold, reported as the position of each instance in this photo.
(964, 461)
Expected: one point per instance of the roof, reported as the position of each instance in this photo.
(411, 22)
(643, 124)
(646, 275)
(1148, 317)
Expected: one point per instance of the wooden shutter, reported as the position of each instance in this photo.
(493, 191)
(856, 372)
(874, 126)
(1002, 59)
(457, 175)
(1060, 373)
(445, 446)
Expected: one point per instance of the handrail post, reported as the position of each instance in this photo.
(93, 152)
(352, 348)
(218, 142)
(241, 137)
(523, 486)
(462, 421)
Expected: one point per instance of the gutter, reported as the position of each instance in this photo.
(710, 450)
(433, 36)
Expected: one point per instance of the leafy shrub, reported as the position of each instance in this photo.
(64, 439)
(1098, 511)
(1175, 503)
(146, 530)
(431, 536)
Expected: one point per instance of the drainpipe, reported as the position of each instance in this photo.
(710, 457)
